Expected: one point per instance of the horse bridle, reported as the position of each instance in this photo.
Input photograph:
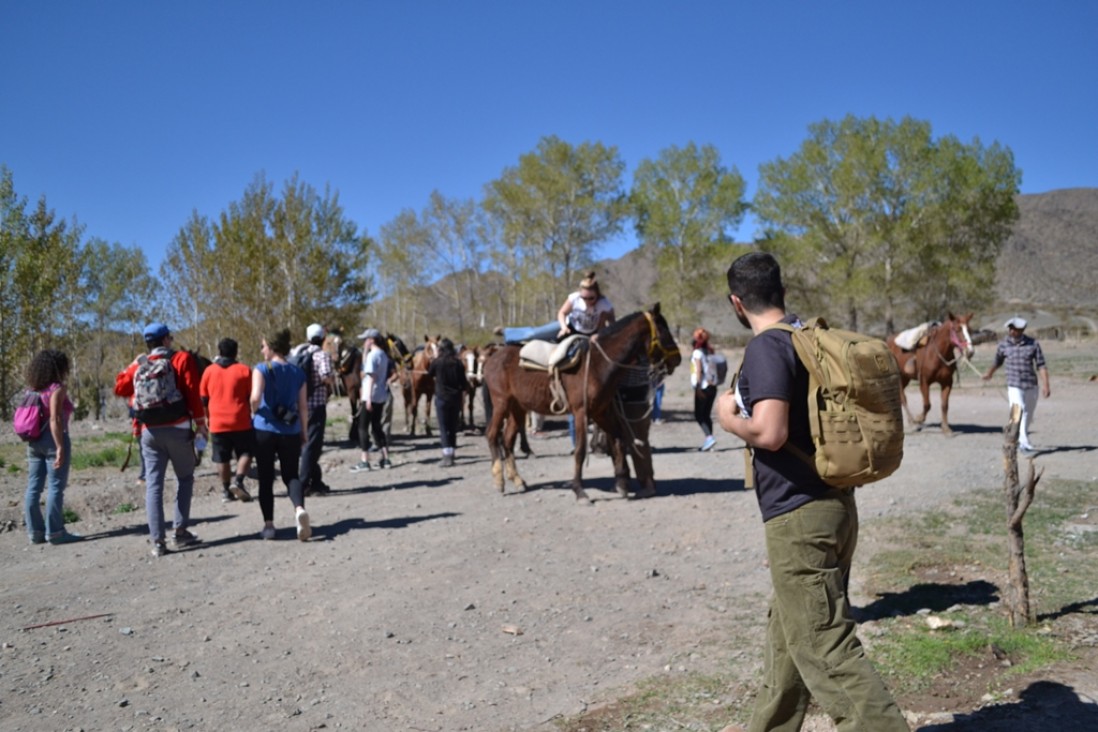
(657, 354)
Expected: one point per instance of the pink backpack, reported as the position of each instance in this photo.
(30, 416)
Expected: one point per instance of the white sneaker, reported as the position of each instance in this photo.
(267, 533)
(303, 529)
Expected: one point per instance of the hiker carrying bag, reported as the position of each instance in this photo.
(854, 407)
(30, 417)
(718, 368)
(156, 396)
(302, 357)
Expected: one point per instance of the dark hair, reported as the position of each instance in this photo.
(446, 348)
(756, 279)
(48, 367)
(279, 342)
(227, 348)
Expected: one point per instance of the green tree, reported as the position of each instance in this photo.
(880, 220)
(686, 206)
(401, 257)
(566, 199)
(116, 286)
(269, 261)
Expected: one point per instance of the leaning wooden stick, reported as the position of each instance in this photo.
(70, 620)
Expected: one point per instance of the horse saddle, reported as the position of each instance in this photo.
(546, 356)
(912, 338)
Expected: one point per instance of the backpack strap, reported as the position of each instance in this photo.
(809, 361)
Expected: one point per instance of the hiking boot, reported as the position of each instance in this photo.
(184, 538)
(37, 537)
(227, 496)
(240, 492)
(65, 538)
(360, 467)
(159, 548)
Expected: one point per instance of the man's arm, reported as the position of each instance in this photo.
(767, 428)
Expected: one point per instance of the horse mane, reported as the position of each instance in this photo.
(620, 324)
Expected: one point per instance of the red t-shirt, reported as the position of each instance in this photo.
(228, 389)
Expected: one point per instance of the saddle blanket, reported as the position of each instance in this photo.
(909, 339)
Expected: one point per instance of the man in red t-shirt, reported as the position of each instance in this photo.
(225, 389)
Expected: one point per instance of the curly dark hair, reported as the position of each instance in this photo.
(48, 367)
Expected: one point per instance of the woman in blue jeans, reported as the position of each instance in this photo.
(49, 457)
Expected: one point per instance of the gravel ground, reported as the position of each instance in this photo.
(428, 601)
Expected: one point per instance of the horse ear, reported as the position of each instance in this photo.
(656, 309)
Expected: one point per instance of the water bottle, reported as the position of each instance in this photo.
(199, 448)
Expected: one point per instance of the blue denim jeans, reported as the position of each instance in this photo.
(41, 475)
(161, 446)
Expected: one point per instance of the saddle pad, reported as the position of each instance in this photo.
(909, 339)
(543, 355)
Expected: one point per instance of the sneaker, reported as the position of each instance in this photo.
(1028, 451)
(184, 538)
(708, 444)
(385, 463)
(304, 531)
(447, 461)
(360, 467)
(37, 538)
(267, 533)
(159, 548)
(65, 538)
(227, 496)
(240, 492)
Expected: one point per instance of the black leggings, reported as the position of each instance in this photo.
(287, 449)
(703, 408)
(448, 413)
(370, 421)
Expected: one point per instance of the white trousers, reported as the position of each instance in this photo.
(1027, 399)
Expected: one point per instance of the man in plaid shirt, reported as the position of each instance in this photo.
(1024, 362)
(322, 384)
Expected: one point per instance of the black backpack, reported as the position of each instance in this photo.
(302, 357)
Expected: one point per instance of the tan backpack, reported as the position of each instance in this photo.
(854, 407)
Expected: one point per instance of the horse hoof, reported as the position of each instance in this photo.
(581, 497)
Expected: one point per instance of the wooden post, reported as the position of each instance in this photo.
(1018, 499)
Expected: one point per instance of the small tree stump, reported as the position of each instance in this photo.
(1018, 499)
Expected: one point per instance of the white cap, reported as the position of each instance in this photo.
(1016, 322)
(316, 330)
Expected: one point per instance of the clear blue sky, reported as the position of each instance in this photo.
(129, 115)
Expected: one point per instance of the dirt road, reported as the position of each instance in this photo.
(426, 600)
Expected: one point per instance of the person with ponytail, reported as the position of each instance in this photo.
(583, 313)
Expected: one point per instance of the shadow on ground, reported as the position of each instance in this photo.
(932, 596)
(1044, 706)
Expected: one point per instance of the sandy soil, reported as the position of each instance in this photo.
(428, 601)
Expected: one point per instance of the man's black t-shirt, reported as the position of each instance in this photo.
(771, 370)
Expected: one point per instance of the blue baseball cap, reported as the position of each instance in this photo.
(156, 331)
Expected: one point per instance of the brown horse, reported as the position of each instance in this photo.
(934, 361)
(347, 360)
(589, 388)
(421, 384)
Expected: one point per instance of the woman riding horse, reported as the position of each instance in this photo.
(588, 388)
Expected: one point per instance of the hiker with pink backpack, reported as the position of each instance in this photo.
(42, 421)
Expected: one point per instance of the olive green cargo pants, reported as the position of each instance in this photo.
(812, 649)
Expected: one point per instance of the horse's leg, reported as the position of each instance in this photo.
(509, 467)
(924, 389)
(427, 398)
(903, 402)
(946, 388)
(491, 433)
(579, 455)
